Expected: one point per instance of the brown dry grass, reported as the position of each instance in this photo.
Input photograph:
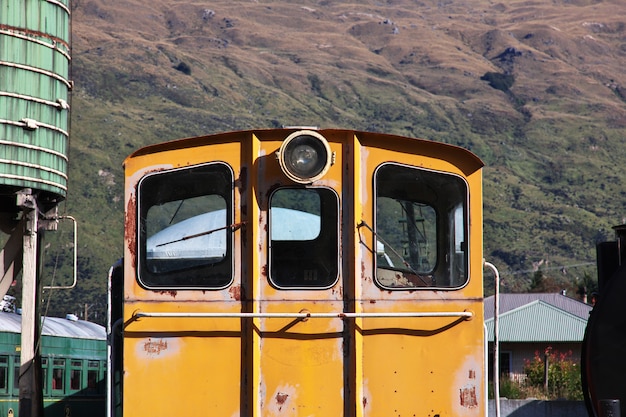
(552, 143)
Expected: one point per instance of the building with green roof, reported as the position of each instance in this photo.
(531, 323)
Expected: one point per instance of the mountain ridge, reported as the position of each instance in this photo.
(536, 89)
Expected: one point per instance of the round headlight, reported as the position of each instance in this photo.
(305, 156)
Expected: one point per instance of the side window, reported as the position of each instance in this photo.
(4, 374)
(44, 375)
(93, 371)
(76, 374)
(16, 374)
(421, 228)
(185, 232)
(58, 376)
(304, 243)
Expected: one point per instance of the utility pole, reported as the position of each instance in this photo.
(30, 397)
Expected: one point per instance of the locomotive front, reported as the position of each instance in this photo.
(291, 272)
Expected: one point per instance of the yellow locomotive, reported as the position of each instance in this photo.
(300, 272)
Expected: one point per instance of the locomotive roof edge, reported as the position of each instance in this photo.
(225, 136)
(55, 326)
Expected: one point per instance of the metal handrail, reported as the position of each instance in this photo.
(303, 315)
(75, 259)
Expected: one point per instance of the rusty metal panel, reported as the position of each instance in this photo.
(34, 95)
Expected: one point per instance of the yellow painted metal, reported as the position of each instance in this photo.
(196, 361)
(421, 366)
(316, 366)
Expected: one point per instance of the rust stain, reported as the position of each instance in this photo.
(280, 400)
(468, 397)
(364, 402)
(235, 292)
(34, 33)
(264, 270)
(242, 181)
(172, 293)
(363, 271)
(130, 221)
(155, 347)
(472, 374)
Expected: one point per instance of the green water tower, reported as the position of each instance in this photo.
(34, 99)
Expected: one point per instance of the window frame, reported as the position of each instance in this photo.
(336, 228)
(441, 240)
(5, 365)
(145, 278)
(56, 364)
(75, 365)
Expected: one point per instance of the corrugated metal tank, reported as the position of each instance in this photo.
(34, 97)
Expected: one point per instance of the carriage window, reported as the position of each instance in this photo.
(185, 228)
(75, 375)
(58, 372)
(92, 375)
(44, 373)
(421, 228)
(304, 245)
(16, 376)
(4, 373)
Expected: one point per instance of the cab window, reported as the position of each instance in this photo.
(303, 234)
(421, 228)
(184, 228)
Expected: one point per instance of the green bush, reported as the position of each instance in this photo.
(499, 81)
(511, 389)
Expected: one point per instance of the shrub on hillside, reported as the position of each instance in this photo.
(499, 81)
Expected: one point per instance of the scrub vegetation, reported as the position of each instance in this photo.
(563, 378)
(534, 88)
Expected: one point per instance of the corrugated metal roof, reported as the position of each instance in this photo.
(538, 321)
(512, 301)
(55, 326)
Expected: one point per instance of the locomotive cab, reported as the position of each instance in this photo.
(288, 272)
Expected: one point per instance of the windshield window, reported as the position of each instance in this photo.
(421, 228)
(185, 235)
(304, 244)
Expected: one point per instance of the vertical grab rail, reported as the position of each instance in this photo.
(496, 349)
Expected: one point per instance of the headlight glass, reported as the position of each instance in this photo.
(305, 156)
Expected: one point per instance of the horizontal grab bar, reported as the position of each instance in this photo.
(305, 315)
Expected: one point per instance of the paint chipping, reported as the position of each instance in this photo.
(472, 374)
(235, 292)
(242, 181)
(264, 270)
(129, 228)
(280, 399)
(171, 293)
(155, 347)
(364, 402)
(468, 397)
(34, 33)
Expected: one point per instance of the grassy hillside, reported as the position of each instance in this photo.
(535, 88)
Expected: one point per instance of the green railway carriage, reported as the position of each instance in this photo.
(73, 366)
